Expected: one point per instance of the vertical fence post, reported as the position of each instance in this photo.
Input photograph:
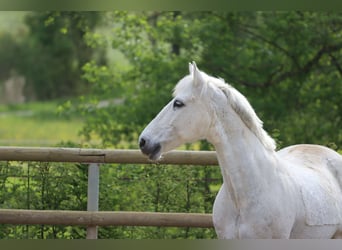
(93, 195)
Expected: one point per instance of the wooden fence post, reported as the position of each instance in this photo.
(93, 195)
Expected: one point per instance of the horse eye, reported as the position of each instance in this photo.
(178, 104)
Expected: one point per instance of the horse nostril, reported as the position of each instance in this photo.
(142, 143)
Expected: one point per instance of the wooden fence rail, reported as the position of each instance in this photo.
(93, 218)
(86, 218)
(177, 157)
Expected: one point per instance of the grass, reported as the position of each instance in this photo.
(37, 124)
(24, 131)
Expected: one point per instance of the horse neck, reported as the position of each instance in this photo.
(247, 167)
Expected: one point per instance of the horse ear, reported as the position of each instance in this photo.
(191, 69)
(198, 77)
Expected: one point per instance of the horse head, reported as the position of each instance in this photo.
(186, 118)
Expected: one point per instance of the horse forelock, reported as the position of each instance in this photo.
(182, 85)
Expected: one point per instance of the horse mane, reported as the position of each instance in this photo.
(244, 110)
(237, 101)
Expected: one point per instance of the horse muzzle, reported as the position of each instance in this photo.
(147, 147)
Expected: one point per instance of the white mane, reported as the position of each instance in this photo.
(238, 102)
(242, 107)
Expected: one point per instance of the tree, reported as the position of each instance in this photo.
(286, 63)
(56, 51)
(156, 59)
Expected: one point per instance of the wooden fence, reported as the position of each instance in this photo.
(92, 217)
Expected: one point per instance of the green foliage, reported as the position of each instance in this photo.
(135, 93)
(56, 186)
(56, 51)
(42, 186)
(8, 47)
(157, 189)
(51, 53)
(286, 63)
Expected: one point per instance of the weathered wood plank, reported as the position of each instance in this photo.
(83, 218)
(104, 156)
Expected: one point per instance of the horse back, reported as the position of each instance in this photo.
(317, 171)
(314, 157)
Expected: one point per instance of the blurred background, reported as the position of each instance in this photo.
(95, 79)
(99, 77)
